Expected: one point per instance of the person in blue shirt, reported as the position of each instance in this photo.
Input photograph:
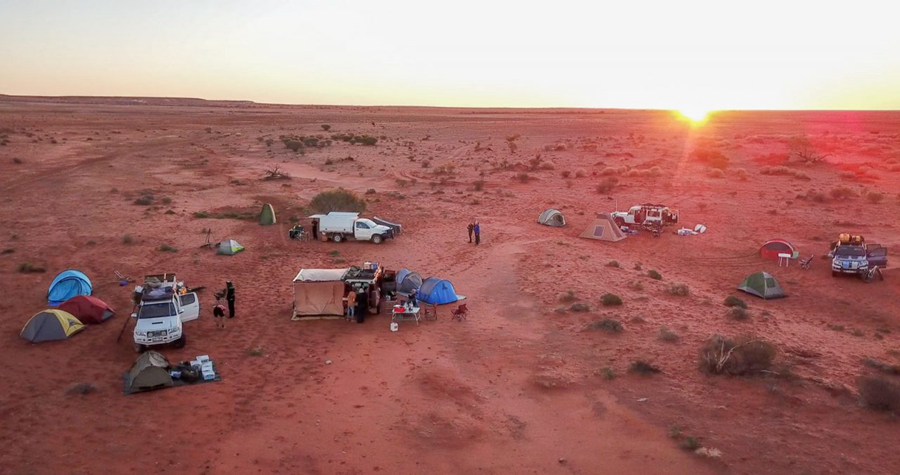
(477, 233)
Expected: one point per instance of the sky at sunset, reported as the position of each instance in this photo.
(626, 54)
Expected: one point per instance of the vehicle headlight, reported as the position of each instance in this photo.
(140, 333)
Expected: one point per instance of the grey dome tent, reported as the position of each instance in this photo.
(552, 217)
(229, 247)
(149, 371)
(762, 284)
(412, 281)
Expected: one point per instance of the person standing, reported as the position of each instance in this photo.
(362, 304)
(471, 228)
(477, 229)
(219, 312)
(229, 296)
(351, 304)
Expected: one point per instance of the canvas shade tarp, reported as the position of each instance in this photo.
(149, 371)
(552, 217)
(67, 285)
(88, 309)
(438, 291)
(50, 325)
(762, 284)
(396, 227)
(603, 229)
(412, 281)
(267, 215)
(773, 247)
(229, 247)
(319, 292)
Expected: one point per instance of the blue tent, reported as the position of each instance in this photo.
(401, 274)
(67, 285)
(438, 291)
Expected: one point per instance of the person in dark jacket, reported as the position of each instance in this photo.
(362, 304)
(229, 296)
(471, 228)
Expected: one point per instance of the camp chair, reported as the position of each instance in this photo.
(872, 274)
(430, 311)
(805, 263)
(461, 313)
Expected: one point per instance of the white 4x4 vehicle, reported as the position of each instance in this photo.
(161, 313)
(646, 215)
(339, 226)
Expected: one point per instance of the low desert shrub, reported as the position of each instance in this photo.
(28, 268)
(580, 173)
(371, 191)
(580, 307)
(739, 356)
(643, 368)
(784, 171)
(874, 197)
(81, 388)
(608, 373)
(337, 200)
(738, 313)
(841, 193)
(679, 290)
(715, 172)
(167, 248)
(566, 297)
(255, 351)
(667, 335)
(689, 443)
(732, 301)
(127, 239)
(609, 300)
(883, 367)
(879, 393)
(144, 200)
(607, 184)
(654, 275)
(711, 157)
(478, 185)
(523, 177)
(612, 264)
(609, 325)
(565, 174)
(326, 127)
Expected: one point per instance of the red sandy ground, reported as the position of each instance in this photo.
(519, 387)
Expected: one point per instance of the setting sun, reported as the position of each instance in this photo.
(695, 114)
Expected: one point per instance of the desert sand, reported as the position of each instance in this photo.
(522, 386)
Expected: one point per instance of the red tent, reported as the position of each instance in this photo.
(773, 247)
(88, 309)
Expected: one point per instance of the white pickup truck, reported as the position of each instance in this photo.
(338, 226)
(161, 311)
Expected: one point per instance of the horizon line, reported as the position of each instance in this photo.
(50, 99)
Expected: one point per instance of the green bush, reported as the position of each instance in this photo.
(566, 297)
(610, 300)
(667, 335)
(326, 127)
(738, 356)
(732, 301)
(580, 307)
(294, 145)
(27, 267)
(612, 264)
(879, 393)
(337, 200)
(654, 275)
(643, 368)
(679, 290)
(608, 325)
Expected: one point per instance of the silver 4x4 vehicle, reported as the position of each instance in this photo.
(161, 311)
(857, 258)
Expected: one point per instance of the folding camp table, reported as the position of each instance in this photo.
(402, 312)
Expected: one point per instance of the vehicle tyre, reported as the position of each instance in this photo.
(376, 239)
(337, 238)
(179, 343)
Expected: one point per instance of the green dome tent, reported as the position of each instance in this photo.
(267, 215)
(229, 247)
(762, 284)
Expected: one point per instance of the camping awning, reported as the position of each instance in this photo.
(320, 275)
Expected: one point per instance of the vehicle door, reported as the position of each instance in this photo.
(190, 307)
(362, 232)
(876, 255)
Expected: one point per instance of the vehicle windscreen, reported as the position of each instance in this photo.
(157, 310)
(850, 251)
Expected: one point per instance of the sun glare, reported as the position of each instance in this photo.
(695, 114)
